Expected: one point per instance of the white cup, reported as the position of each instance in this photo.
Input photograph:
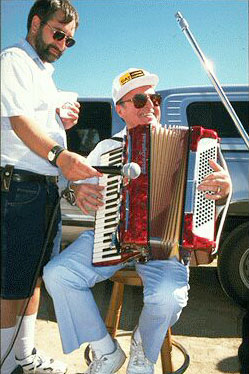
(65, 101)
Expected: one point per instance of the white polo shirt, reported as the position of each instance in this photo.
(27, 88)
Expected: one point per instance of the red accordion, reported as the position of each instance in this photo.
(160, 214)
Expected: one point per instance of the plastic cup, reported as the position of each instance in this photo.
(66, 100)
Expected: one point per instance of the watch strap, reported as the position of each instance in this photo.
(56, 150)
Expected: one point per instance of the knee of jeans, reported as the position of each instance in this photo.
(169, 298)
(56, 276)
(181, 297)
(51, 275)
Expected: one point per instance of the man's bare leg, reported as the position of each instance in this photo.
(10, 309)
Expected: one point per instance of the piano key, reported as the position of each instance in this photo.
(107, 220)
(106, 254)
(108, 208)
(99, 260)
(102, 241)
(102, 236)
(99, 246)
(111, 193)
(108, 212)
(113, 214)
(106, 227)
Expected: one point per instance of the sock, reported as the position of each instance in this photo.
(103, 346)
(26, 337)
(6, 338)
(137, 336)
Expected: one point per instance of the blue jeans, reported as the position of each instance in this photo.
(26, 210)
(69, 277)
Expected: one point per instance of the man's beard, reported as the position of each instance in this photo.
(43, 49)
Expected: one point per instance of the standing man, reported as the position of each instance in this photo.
(33, 152)
(70, 276)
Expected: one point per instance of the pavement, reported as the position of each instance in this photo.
(209, 327)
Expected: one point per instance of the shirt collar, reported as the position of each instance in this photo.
(27, 47)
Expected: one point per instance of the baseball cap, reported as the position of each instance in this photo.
(131, 79)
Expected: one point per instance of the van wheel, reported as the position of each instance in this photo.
(233, 265)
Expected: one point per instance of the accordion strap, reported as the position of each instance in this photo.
(118, 139)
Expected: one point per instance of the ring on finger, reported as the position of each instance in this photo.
(218, 190)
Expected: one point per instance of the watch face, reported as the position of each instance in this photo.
(51, 155)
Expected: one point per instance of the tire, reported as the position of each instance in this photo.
(233, 265)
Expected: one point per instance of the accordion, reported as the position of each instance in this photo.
(160, 214)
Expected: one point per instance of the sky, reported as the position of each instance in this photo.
(115, 35)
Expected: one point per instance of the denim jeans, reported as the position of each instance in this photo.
(26, 210)
(70, 276)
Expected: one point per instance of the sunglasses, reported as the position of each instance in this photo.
(60, 35)
(140, 100)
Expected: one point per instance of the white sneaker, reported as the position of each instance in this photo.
(107, 364)
(138, 363)
(37, 363)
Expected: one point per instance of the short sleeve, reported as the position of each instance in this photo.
(16, 86)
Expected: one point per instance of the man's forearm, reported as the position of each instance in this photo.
(30, 133)
(72, 165)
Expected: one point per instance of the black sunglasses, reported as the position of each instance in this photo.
(140, 100)
(60, 35)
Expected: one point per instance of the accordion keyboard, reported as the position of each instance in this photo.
(107, 216)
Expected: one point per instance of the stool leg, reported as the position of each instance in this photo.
(114, 310)
(166, 354)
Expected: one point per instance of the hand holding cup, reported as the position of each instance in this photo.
(68, 108)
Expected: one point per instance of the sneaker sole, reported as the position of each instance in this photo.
(121, 364)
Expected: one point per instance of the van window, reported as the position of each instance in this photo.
(94, 125)
(213, 115)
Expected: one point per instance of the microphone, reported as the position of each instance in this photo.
(130, 170)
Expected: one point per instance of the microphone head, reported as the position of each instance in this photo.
(131, 170)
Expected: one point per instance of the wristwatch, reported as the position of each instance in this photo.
(54, 153)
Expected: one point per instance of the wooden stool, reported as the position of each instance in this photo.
(131, 278)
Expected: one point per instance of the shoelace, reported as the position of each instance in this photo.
(95, 366)
(39, 360)
(139, 357)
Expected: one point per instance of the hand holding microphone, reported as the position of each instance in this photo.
(130, 170)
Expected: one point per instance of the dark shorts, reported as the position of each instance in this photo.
(25, 214)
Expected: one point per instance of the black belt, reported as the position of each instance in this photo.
(26, 176)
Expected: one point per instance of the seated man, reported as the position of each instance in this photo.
(70, 275)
